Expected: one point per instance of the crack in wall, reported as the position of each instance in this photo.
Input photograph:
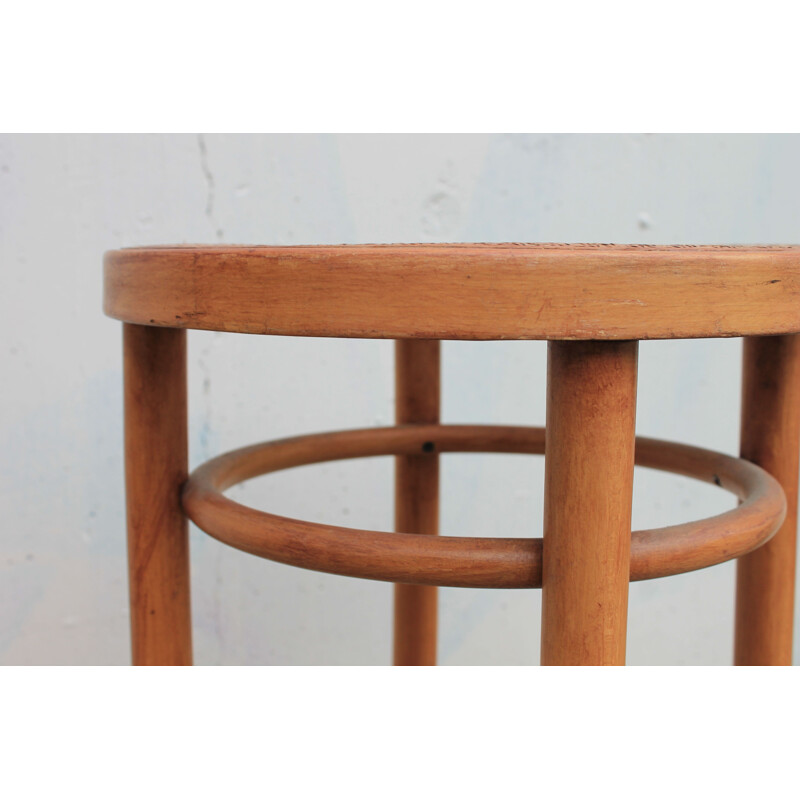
(209, 177)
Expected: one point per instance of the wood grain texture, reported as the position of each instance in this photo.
(417, 400)
(468, 561)
(770, 437)
(591, 415)
(155, 467)
(455, 291)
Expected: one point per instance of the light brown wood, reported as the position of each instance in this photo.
(417, 390)
(155, 467)
(589, 456)
(592, 302)
(455, 291)
(771, 438)
(468, 561)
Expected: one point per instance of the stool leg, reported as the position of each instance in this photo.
(770, 437)
(155, 468)
(416, 497)
(591, 415)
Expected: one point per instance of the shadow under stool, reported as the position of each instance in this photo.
(593, 303)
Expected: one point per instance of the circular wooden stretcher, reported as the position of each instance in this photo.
(468, 561)
(460, 291)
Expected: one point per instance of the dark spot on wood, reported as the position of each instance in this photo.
(717, 481)
(428, 447)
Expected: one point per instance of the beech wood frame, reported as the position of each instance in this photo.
(588, 553)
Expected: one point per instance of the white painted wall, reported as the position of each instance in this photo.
(65, 199)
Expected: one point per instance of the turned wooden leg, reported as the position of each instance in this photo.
(591, 416)
(416, 496)
(155, 467)
(770, 438)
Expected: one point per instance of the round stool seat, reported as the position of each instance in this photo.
(460, 291)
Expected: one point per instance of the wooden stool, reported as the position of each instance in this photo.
(592, 303)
